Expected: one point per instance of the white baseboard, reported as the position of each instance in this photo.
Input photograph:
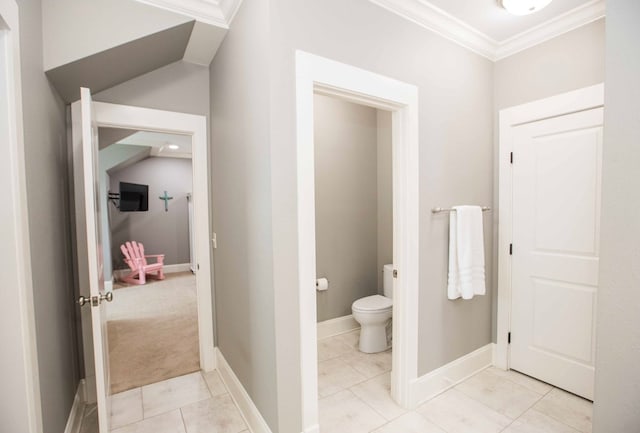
(248, 409)
(168, 269)
(447, 376)
(494, 353)
(179, 267)
(74, 422)
(337, 326)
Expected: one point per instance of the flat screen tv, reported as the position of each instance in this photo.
(134, 197)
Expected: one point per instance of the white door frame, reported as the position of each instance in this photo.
(316, 74)
(559, 105)
(147, 119)
(16, 268)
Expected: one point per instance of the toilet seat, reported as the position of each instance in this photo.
(374, 303)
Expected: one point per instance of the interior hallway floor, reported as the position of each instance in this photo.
(355, 397)
(193, 403)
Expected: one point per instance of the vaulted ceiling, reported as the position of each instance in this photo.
(102, 43)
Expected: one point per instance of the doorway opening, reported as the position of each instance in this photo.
(145, 300)
(146, 186)
(354, 258)
(317, 75)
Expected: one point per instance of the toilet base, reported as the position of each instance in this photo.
(373, 338)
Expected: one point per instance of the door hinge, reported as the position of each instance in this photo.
(509, 338)
(511, 157)
(510, 249)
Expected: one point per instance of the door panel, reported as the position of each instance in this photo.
(85, 148)
(556, 229)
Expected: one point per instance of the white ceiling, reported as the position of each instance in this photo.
(159, 143)
(488, 17)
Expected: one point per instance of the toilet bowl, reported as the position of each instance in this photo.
(373, 313)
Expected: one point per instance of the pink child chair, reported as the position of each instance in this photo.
(136, 260)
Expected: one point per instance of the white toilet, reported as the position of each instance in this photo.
(373, 313)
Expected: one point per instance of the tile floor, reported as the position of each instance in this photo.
(354, 395)
(193, 403)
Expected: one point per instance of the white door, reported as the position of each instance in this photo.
(556, 231)
(85, 148)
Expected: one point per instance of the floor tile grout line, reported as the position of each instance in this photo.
(540, 396)
(526, 410)
(551, 387)
(376, 410)
(556, 419)
(489, 407)
(519, 384)
(184, 423)
(561, 421)
(433, 422)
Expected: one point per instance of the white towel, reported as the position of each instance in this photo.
(466, 253)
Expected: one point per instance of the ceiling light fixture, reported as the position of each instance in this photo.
(524, 7)
(174, 147)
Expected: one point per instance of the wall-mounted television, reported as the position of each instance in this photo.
(134, 197)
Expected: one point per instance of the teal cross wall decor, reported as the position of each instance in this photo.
(166, 199)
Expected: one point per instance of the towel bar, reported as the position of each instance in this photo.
(442, 209)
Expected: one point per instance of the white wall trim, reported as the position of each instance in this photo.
(571, 20)
(18, 278)
(435, 19)
(215, 12)
(441, 379)
(114, 115)
(337, 326)
(565, 103)
(74, 422)
(252, 416)
(178, 267)
(446, 25)
(316, 74)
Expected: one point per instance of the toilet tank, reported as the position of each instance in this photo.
(387, 281)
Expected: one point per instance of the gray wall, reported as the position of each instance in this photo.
(111, 157)
(346, 188)
(180, 86)
(160, 232)
(241, 185)
(568, 62)
(617, 389)
(456, 162)
(48, 202)
(96, 22)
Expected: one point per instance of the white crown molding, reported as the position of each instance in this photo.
(557, 26)
(219, 13)
(435, 19)
(446, 25)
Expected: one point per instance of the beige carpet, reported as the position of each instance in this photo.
(153, 332)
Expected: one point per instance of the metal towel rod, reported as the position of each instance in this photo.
(442, 209)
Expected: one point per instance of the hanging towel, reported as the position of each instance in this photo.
(466, 253)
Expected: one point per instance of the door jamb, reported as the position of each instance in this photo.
(19, 225)
(558, 105)
(124, 116)
(318, 74)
